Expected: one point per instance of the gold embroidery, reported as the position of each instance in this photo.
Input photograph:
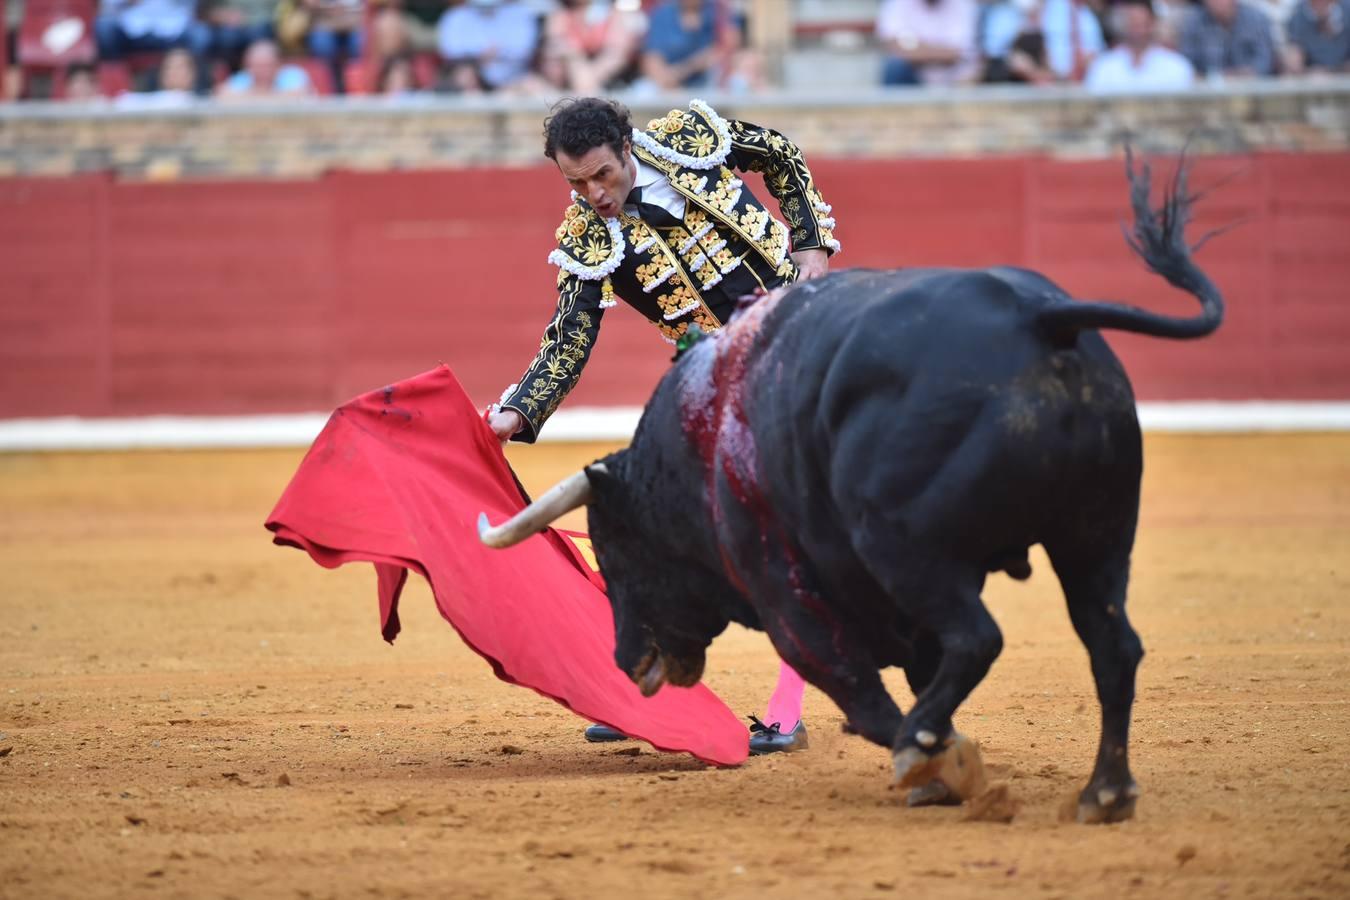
(753, 221)
(706, 320)
(677, 302)
(673, 332)
(702, 143)
(725, 260)
(652, 274)
(789, 180)
(595, 251)
(661, 252)
(562, 353)
(585, 242)
(692, 181)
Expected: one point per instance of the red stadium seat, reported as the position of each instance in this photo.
(426, 70)
(114, 78)
(56, 34)
(319, 74)
(359, 77)
(363, 75)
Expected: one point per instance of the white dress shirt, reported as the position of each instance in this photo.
(1159, 69)
(656, 188)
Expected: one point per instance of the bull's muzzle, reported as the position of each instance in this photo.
(657, 669)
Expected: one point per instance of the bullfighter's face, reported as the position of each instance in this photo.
(601, 177)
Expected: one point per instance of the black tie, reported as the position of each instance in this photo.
(651, 213)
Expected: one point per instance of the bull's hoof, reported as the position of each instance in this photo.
(958, 768)
(934, 793)
(1107, 805)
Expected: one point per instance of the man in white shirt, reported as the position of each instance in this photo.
(124, 27)
(487, 45)
(1138, 62)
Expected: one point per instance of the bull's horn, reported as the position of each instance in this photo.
(563, 497)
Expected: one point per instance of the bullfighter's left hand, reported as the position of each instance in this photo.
(811, 263)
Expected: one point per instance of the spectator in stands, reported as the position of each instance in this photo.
(488, 45)
(135, 26)
(1024, 61)
(1227, 38)
(398, 77)
(740, 67)
(1072, 35)
(406, 26)
(263, 76)
(591, 46)
(177, 77)
(1171, 15)
(1138, 62)
(335, 35)
(681, 49)
(234, 25)
(81, 85)
(1277, 13)
(1319, 37)
(11, 78)
(928, 41)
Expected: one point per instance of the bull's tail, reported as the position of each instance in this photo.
(1159, 238)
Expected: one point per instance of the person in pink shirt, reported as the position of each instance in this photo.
(928, 41)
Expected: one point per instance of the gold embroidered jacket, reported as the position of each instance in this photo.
(671, 275)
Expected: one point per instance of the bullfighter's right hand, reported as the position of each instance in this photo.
(505, 423)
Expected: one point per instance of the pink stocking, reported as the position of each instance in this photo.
(785, 706)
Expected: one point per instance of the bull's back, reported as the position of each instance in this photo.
(935, 390)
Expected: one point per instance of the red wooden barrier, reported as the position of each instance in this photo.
(211, 297)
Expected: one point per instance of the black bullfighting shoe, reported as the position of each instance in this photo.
(603, 734)
(770, 738)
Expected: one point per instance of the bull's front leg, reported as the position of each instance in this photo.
(929, 755)
(819, 646)
(812, 637)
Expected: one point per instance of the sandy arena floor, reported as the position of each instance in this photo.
(188, 711)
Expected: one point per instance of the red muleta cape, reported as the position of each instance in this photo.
(397, 478)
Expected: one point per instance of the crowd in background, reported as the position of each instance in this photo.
(162, 52)
(166, 52)
(1110, 45)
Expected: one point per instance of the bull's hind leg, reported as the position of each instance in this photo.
(1094, 585)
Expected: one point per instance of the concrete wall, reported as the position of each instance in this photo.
(372, 134)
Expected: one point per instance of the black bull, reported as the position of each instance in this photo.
(846, 461)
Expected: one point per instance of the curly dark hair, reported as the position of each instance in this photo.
(578, 126)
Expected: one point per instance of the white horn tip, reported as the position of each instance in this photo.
(485, 531)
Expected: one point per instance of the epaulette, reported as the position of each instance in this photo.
(588, 246)
(696, 138)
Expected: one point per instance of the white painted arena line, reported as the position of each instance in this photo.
(580, 424)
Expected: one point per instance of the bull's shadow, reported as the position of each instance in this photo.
(844, 464)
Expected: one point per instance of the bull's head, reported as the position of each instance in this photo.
(663, 620)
